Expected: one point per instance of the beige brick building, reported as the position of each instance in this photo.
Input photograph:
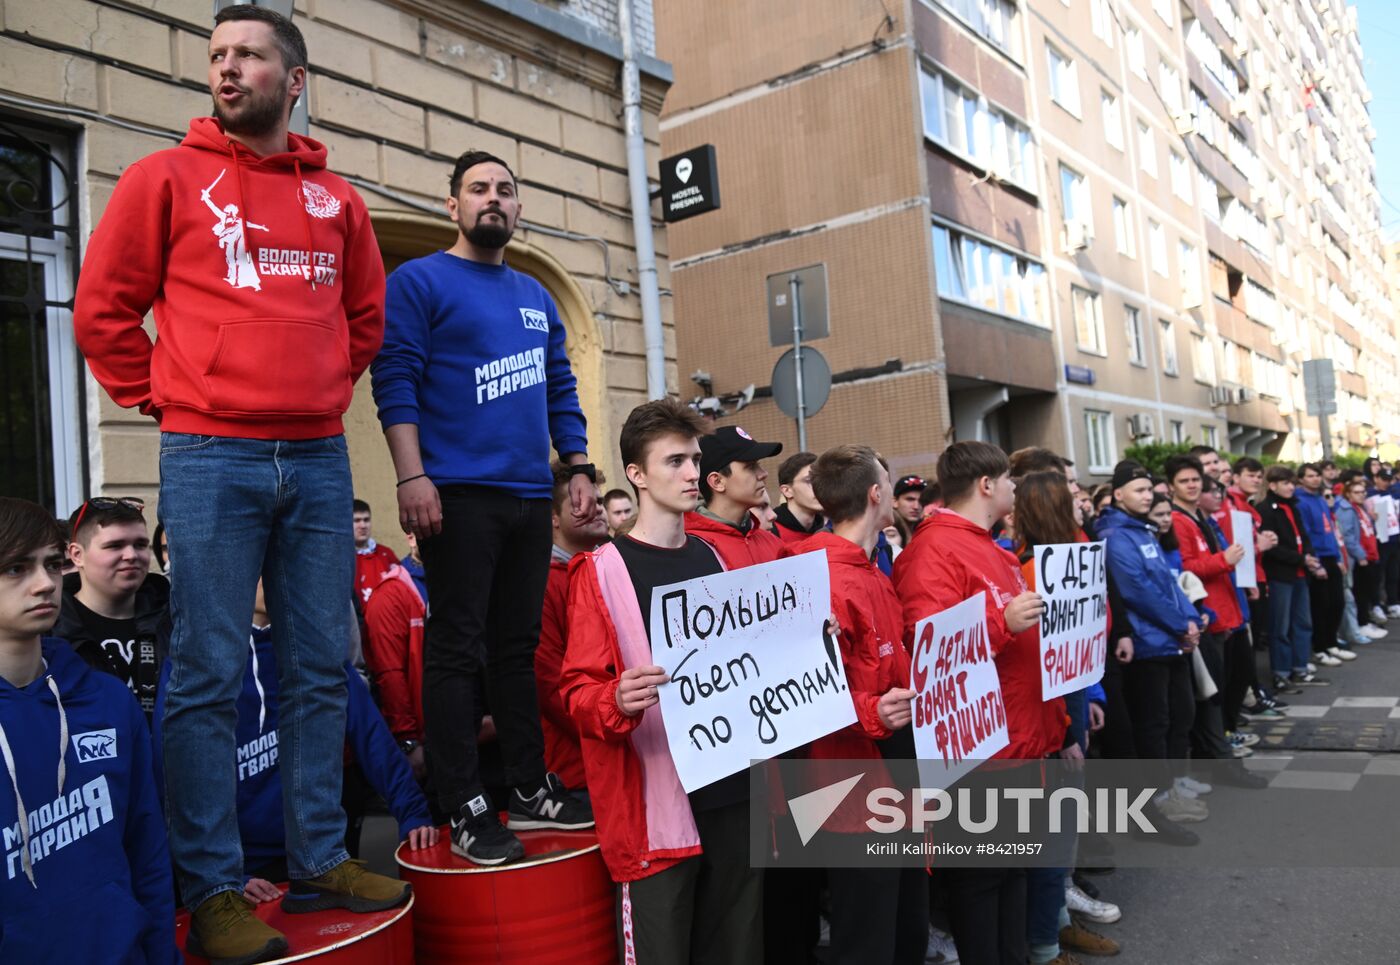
(1081, 225)
(398, 89)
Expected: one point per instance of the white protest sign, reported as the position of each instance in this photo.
(752, 673)
(959, 717)
(1073, 580)
(1242, 525)
(1381, 515)
(1392, 516)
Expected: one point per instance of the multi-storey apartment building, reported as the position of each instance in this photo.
(1143, 215)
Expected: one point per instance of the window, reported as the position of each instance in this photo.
(966, 124)
(1147, 149)
(1157, 247)
(1181, 177)
(1202, 359)
(993, 20)
(972, 271)
(1137, 53)
(1074, 196)
(1123, 227)
(1101, 19)
(1178, 431)
(1064, 81)
(1163, 9)
(1190, 275)
(1088, 320)
(1169, 85)
(1137, 347)
(1169, 365)
(1210, 436)
(1112, 119)
(1098, 428)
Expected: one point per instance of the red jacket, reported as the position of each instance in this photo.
(949, 559)
(370, 566)
(1235, 499)
(562, 753)
(1196, 557)
(737, 549)
(645, 824)
(394, 652)
(265, 278)
(872, 627)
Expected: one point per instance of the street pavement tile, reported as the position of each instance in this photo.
(1366, 702)
(1315, 780)
(1387, 766)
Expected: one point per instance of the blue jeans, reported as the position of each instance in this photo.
(1290, 634)
(234, 510)
(1045, 912)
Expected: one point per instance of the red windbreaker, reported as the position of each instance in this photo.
(266, 283)
(949, 559)
(370, 566)
(1214, 572)
(736, 549)
(394, 652)
(562, 753)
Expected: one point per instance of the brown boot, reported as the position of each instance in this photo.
(1065, 958)
(224, 930)
(1076, 937)
(348, 885)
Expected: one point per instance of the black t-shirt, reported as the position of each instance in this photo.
(653, 566)
(129, 654)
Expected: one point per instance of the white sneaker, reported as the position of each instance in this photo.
(1196, 787)
(941, 950)
(1185, 791)
(1373, 631)
(1378, 614)
(1079, 903)
(1326, 659)
(1341, 654)
(1393, 610)
(1312, 667)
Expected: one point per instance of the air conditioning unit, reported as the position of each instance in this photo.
(1185, 123)
(1222, 395)
(1140, 425)
(1076, 237)
(1190, 300)
(1243, 395)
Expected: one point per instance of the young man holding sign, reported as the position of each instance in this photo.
(878, 915)
(687, 893)
(952, 557)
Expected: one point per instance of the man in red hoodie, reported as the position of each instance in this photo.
(268, 292)
(687, 891)
(878, 915)
(572, 536)
(732, 484)
(951, 557)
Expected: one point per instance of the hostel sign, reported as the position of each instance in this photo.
(689, 184)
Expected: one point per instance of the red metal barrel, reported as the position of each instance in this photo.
(554, 906)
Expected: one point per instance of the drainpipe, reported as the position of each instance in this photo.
(641, 206)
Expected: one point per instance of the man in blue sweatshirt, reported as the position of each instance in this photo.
(472, 385)
(1325, 583)
(86, 866)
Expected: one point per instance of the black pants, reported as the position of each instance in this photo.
(1366, 587)
(357, 798)
(1238, 666)
(1390, 566)
(706, 909)
(1115, 741)
(486, 575)
(1259, 619)
(1207, 728)
(878, 916)
(1327, 605)
(987, 913)
(1163, 705)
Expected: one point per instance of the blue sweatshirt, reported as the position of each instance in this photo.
(1316, 518)
(1158, 611)
(474, 356)
(101, 888)
(260, 779)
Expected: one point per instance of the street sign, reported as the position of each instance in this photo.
(689, 184)
(1320, 387)
(816, 382)
(811, 295)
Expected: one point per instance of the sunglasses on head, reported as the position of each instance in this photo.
(104, 503)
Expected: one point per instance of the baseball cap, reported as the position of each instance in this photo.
(907, 484)
(732, 444)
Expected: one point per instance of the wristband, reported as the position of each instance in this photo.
(421, 475)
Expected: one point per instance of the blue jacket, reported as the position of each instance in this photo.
(1316, 518)
(420, 576)
(474, 357)
(1349, 528)
(259, 777)
(1158, 611)
(97, 887)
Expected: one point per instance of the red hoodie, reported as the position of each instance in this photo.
(266, 281)
(1214, 572)
(562, 753)
(737, 549)
(394, 616)
(948, 560)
